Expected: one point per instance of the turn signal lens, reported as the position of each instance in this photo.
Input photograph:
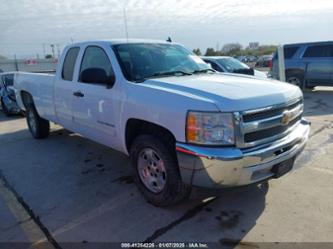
(191, 127)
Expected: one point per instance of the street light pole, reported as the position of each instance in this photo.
(125, 22)
(44, 50)
(58, 50)
(52, 46)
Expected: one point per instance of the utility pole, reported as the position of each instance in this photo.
(44, 51)
(125, 22)
(58, 50)
(52, 47)
(16, 64)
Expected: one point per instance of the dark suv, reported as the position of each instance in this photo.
(307, 64)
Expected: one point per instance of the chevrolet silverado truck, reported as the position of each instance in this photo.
(182, 123)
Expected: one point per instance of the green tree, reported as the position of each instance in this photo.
(211, 52)
(197, 51)
(232, 48)
(236, 49)
(266, 49)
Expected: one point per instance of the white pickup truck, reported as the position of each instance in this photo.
(182, 123)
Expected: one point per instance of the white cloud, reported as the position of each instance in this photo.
(26, 24)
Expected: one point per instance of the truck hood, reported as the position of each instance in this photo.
(260, 74)
(229, 92)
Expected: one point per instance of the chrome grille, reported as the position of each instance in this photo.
(262, 134)
(268, 124)
(254, 116)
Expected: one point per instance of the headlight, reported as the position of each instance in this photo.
(210, 128)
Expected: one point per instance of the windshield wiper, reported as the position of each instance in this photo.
(203, 71)
(169, 73)
(172, 73)
(162, 74)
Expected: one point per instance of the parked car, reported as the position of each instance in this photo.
(231, 65)
(182, 123)
(307, 64)
(241, 58)
(7, 94)
(264, 61)
(252, 58)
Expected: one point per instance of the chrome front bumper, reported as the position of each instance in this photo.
(230, 167)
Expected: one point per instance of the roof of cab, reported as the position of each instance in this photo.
(123, 41)
(309, 43)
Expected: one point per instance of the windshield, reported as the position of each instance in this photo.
(140, 61)
(232, 64)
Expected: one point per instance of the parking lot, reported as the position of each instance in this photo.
(68, 189)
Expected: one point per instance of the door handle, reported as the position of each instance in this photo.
(78, 94)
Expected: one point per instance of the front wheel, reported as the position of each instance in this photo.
(39, 127)
(156, 171)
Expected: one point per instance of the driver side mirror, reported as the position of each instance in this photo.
(97, 76)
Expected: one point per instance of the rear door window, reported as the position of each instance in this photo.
(289, 52)
(69, 63)
(318, 51)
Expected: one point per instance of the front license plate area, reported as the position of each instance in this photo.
(283, 168)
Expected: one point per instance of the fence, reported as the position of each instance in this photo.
(31, 65)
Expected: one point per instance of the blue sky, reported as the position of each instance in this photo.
(25, 25)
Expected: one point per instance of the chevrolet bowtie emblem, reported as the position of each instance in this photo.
(286, 117)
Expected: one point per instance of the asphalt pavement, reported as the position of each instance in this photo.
(67, 188)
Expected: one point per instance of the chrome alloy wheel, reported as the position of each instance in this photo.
(32, 122)
(151, 170)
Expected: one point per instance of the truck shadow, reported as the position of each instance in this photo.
(84, 192)
(318, 102)
(232, 215)
(3, 117)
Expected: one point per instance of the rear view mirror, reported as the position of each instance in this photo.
(97, 75)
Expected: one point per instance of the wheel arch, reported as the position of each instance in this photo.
(26, 98)
(294, 71)
(135, 127)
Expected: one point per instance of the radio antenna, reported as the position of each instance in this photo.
(125, 22)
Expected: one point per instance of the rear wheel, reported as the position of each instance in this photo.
(4, 108)
(296, 79)
(38, 126)
(157, 172)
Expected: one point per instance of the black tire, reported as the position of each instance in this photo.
(309, 88)
(41, 127)
(296, 79)
(4, 108)
(174, 189)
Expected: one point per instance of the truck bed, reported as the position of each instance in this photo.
(41, 87)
